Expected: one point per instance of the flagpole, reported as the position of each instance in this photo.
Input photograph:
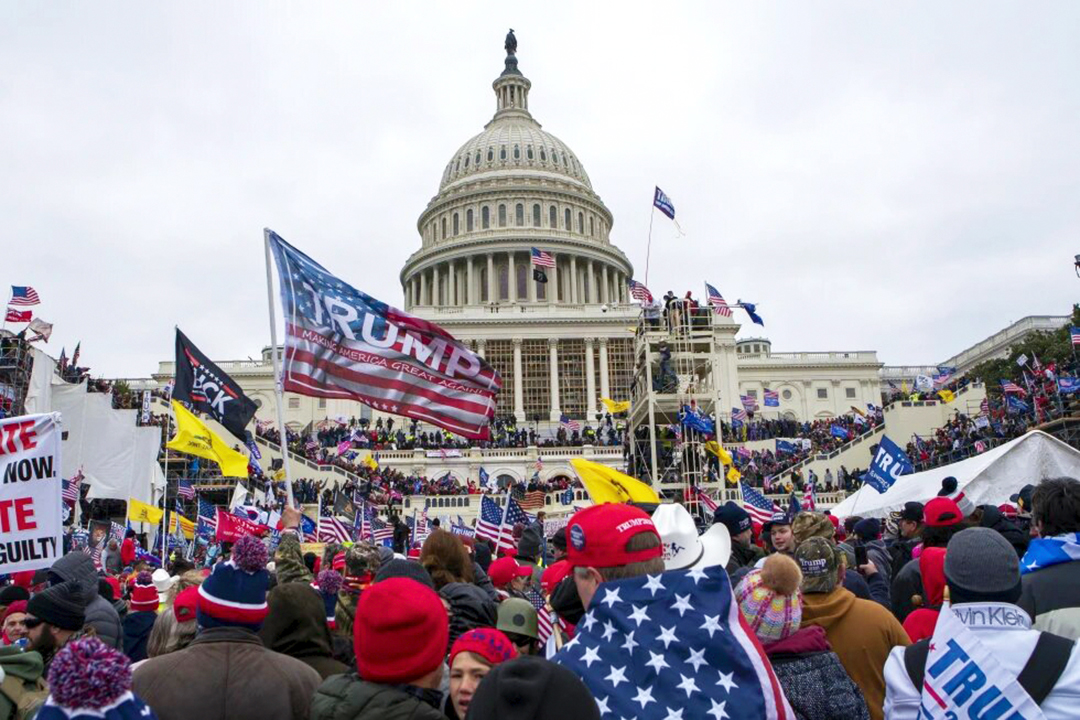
(648, 246)
(279, 395)
(165, 490)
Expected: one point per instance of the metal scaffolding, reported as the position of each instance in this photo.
(16, 366)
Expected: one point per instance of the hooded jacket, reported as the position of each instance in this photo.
(23, 676)
(861, 633)
(100, 614)
(296, 626)
(814, 681)
(470, 607)
(347, 697)
(922, 621)
(137, 627)
(994, 519)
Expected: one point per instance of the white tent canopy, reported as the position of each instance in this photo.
(986, 479)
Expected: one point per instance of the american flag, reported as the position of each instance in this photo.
(381, 531)
(333, 530)
(544, 625)
(639, 292)
(717, 301)
(749, 402)
(533, 501)
(649, 633)
(376, 354)
(808, 500)
(706, 500)
(185, 489)
(207, 517)
(571, 425)
(760, 507)
(490, 520)
(311, 445)
(984, 406)
(738, 414)
(421, 529)
(1008, 386)
(24, 295)
(542, 259)
(772, 398)
(70, 492)
(980, 446)
(1074, 335)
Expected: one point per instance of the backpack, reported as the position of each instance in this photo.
(25, 696)
(1038, 677)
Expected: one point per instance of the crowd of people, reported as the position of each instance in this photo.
(843, 612)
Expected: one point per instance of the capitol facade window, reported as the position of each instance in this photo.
(536, 216)
(468, 220)
(485, 217)
(553, 218)
(502, 216)
(519, 215)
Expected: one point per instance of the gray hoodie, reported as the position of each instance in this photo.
(100, 614)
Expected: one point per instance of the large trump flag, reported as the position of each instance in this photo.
(342, 343)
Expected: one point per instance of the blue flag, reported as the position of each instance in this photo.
(568, 497)
(751, 310)
(697, 422)
(1068, 385)
(1016, 405)
(677, 642)
(785, 447)
(889, 464)
(663, 203)
(839, 431)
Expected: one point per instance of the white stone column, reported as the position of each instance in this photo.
(573, 279)
(605, 294)
(423, 288)
(491, 277)
(605, 388)
(553, 354)
(553, 285)
(591, 295)
(590, 380)
(481, 348)
(532, 283)
(519, 398)
(511, 276)
(435, 285)
(451, 285)
(470, 286)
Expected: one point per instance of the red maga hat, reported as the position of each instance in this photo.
(598, 535)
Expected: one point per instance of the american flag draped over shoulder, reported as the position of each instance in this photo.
(676, 641)
(343, 343)
(638, 291)
(716, 300)
(760, 507)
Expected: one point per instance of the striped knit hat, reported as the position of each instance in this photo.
(235, 592)
(770, 600)
(144, 596)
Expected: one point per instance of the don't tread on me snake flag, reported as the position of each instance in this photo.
(31, 518)
(343, 343)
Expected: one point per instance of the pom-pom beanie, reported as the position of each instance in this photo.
(490, 644)
(144, 596)
(950, 489)
(770, 600)
(400, 632)
(328, 583)
(89, 679)
(235, 592)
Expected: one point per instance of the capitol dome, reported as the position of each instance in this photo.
(508, 190)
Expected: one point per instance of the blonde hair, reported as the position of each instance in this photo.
(168, 635)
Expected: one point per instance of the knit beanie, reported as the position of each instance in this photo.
(328, 583)
(530, 687)
(406, 569)
(11, 593)
(185, 604)
(770, 599)
(868, 529)
(400, 631)
(89, 679)
(144, 596)
(490, 644)
(950, 489)
(60, 605)
(981, 566)
(235, 592)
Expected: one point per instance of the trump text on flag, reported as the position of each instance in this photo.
(30, 493)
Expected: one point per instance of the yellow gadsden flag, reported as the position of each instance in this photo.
(733, 476)
(141, 512)
(947, 396)
(615, 407)
(370, 462)
(606, 485)
(194, 438)
(718, 450)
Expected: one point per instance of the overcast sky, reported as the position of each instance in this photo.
(899, 177)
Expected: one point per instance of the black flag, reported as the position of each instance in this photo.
(539, 275)
(205, 388)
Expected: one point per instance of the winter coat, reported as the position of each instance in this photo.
(347, 697)
(861, 633)
(814, 681)
(112, 561)
(470, 607)
(920, 623)
(743, 556)
(23, 675)
(994, 519)
(1011, 643)
(401, 538)
(905, 585)
(296, 626)
(100, 613)
(127, 552)
(1051, 596)
(226, 672)
(878, 554)
(137, 627)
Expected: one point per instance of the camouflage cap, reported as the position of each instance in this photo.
(819, 563)
(517, 615)
(362, 559)
(811, 524)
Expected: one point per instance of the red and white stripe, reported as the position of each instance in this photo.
(30, 298)
(321, 367)
(332, 530)
(544, 625)
(808, 501)
(639, 292)
(706, 500)
(245, 613)
(542, 259)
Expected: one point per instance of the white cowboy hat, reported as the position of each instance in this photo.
(683, 547)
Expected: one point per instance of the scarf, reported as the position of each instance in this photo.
(1044, 552)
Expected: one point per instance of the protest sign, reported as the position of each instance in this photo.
(30, 492)
(231, 528)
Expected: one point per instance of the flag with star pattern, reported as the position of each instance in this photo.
(343, 343)
(672, 647)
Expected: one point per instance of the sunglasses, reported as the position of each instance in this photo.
(32, 622)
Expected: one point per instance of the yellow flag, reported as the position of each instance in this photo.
(903, 387)
(733, 475)
(947, 395)
(718, 450)
(141, 512)
(194, 438)
(616, 407)
(371, 462)
(606, 485)
(280, 474)
(186, 526)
